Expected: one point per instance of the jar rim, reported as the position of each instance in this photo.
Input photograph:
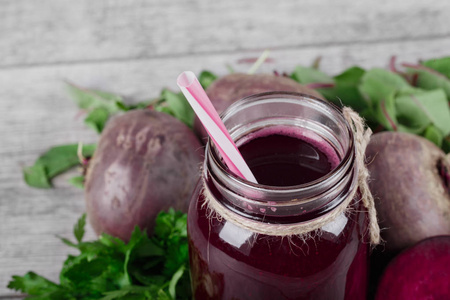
(345, 160)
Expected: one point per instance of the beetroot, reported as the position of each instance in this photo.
(146, 161)
(420, 272)
(409, 180)
(230, 88)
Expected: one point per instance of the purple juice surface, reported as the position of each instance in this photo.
(228, 262)
(280, 160)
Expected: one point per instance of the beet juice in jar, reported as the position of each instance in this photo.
(257, 241)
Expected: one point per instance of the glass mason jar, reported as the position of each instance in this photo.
(230, 261)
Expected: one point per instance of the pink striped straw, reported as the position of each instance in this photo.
(205, 111)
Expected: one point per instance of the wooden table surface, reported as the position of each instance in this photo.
(137, 47)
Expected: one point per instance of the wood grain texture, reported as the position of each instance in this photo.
(65, 31)
(137, 47)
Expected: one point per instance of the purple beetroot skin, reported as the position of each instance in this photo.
(228, 89)
(146, 161)
(409, 179)
(421, 272)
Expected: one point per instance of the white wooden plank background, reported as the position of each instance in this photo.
(137, 47)
(59, 31)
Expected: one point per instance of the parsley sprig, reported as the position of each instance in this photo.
(154, 267)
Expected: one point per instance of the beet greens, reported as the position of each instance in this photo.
(415, 100)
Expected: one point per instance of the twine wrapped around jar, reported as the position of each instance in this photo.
(362, 138)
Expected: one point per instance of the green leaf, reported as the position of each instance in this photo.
(306, 75)
(55, 161)
(177, 254)
(180, 227)
(119, 294)
(164, 109)
(107, 96)
(345, 90)
(78, 229)
(163, 296)
(32, 284)
(93, 248)
(133, 292)
(379, 88)
(351, 76)
(171, 228)
(77, 181)
(36, 176)
(418, 109)
(136, 237)
(411, 114)
(433, 134)
(179, 106)
(379, 84)
(431, 80)
(112, 242)
(60, 158)
(93, 272)
(140, 105)
(86, 270)
(123, 107)
(97, 119)
(100, 105)
(206, 78)
(92, 99)
(441, 65)
(68, 242)
(164, 223)
(385, 112)
(147, 249)
(109, 268)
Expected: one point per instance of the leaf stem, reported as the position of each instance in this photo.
(259, 62)
(320, 85)
(388, 117)
(423, 68)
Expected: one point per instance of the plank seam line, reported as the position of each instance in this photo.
(203, 53)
